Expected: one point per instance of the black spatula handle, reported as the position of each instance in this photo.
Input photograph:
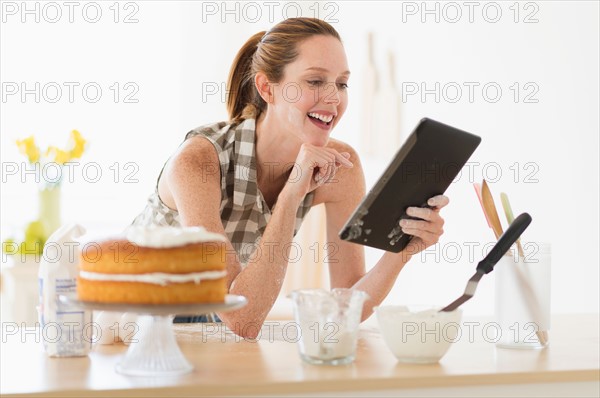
(518, 226)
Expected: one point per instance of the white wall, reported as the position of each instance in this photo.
(554, 141)
(177, 50)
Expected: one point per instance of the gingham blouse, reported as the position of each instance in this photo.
(244, 212)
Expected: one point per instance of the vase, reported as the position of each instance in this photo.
(49, 208)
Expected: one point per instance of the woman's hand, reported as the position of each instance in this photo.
(314, 167)
(428, 229)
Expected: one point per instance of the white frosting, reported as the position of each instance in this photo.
(329, 341)
(421, 336)
(157, 278)
(170, 236)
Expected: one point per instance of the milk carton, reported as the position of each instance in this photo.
(66, 329)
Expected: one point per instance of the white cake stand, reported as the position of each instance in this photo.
(154, 350)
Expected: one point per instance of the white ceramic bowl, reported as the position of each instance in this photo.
(418, 334)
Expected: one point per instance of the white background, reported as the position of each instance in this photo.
(176, 50)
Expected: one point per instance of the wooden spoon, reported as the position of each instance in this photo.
(490, 209)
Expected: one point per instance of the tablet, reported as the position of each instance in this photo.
(425, 166)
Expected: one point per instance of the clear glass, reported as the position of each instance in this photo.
(328, 324)
(523, 297)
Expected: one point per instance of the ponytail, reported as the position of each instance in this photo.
(243, 100)
(268, 52)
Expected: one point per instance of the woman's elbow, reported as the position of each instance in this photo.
(241, 326)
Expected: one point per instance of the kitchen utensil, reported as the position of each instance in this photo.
(370, 86)
(541, 334)
(477, 187)
(490, 209)
(509, 218)
(386, 117)
(486, 265)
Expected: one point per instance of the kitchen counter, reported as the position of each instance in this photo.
(226, 365)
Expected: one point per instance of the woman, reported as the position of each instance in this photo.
(255, 177)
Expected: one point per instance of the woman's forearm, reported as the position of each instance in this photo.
(261, 280)
(378, 282)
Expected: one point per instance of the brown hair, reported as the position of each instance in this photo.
(268, 52)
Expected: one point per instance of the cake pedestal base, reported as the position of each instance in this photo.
(153, 349)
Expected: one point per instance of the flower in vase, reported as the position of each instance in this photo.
(74, 151)
(28, 148)
(37, 231)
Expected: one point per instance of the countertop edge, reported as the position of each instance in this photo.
(313, 387)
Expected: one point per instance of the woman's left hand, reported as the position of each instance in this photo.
(428, 229)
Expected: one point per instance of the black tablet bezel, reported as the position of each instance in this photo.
(431, 145)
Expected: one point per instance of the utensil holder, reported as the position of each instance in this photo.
(523, 297)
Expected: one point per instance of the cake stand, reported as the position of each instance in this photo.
(155, 351)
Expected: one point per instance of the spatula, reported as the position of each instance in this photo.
(485, 266)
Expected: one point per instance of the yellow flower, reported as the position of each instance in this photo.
(28, 148)
(78, 145)
(74, 150)
(60, 156)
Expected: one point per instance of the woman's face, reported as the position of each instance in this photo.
(312, 96)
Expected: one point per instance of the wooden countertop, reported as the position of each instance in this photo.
(226, 365)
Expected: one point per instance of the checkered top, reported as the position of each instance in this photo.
(244, 212)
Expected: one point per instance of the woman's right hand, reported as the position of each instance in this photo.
(314, 167)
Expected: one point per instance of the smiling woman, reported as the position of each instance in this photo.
(254, 177)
